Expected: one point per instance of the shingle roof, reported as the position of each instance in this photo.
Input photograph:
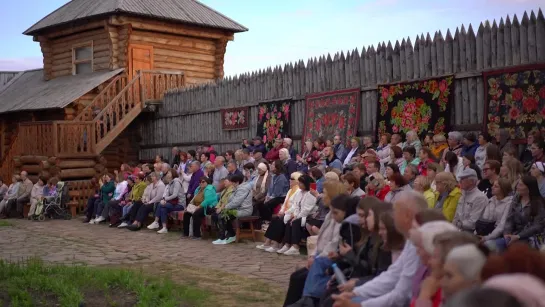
(186, 11)
(29, 90)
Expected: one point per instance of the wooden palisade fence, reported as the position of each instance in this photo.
(192, 115)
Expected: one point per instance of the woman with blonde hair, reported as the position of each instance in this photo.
(512, 169)
(275, 231)
(422, 184)
(447, 194)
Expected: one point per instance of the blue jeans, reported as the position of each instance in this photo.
(126, 209)
(316, 282)
(162, 211)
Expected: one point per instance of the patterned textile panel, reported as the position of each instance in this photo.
(515, 99)
(421, 106)
(234, 118)
(273, 121)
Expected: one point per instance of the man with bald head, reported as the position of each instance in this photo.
(220, 172)
(393, 287)
(24, 196)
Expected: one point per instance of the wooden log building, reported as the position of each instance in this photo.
(105, 62)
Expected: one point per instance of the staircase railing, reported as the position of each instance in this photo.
(7, 169)
(103, 98)
(86, 136)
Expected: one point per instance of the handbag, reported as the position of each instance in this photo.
(191, 208)
(484, 228)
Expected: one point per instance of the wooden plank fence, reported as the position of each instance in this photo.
(190, 116)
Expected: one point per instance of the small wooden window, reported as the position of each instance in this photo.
(82, 59)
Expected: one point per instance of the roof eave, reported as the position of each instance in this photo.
(33, 32)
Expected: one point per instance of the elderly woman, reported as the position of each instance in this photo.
(309, 158)
(36, 195)
(276, 194)
(462, 269)
(439, 145)
(261, 185)
(447, 194)
(173, 200)
(413, 140)
(377, 186)
(455, 145)
(203, 203)
(410, 174)
(275, 231)
(422, 238)
(491, 224)
(289, 165)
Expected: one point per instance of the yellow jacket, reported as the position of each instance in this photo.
(429, 195)
(450, 203)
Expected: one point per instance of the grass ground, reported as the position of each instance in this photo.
(4, 223)
(35, 284)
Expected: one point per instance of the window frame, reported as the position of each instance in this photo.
(75, 61)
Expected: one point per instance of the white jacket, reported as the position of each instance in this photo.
(303, 204)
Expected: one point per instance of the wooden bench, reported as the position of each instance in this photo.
(246, 234)
(73, 205)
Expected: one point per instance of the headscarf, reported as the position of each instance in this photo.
(529, 290)
(263, 186)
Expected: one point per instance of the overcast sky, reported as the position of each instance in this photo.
(283, 31)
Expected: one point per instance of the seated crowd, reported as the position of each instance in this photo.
(452, 220)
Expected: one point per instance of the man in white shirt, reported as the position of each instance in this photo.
(393, 287)
(352, 153)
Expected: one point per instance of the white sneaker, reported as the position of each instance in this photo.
(262, 246)
(271, 249)
(123, 225)
(153, 225)
(92, 221)
(284, 249)
(99, 220)
(163, 230)
(292, 252)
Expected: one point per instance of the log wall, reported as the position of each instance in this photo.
(191, 116)
(59, 57)
(196, 57)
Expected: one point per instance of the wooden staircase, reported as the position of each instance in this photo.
(115, 107)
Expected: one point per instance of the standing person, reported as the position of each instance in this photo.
(393, 287)
(338, 146)
(24, 195)
(383, 150)
(480, 153)
(287, 143)
(472, 203)
(413, 141)
(196, 175)
(289, 165)
(470, 144)
(331, 160)
(175, 156)
(220, 172)
(348, 154)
